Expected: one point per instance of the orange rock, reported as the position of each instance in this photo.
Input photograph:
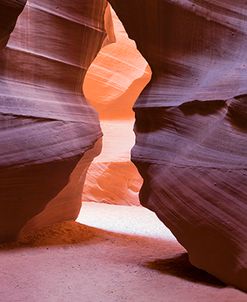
(112, 84)
(117, 75)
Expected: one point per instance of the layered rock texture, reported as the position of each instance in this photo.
(48, 131)
(113, 82)
(191, 119)
(117, 75)
(191, 125)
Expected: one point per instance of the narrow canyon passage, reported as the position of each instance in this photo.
(112, 84)
(189, 146)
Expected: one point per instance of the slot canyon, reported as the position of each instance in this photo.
(123, 150)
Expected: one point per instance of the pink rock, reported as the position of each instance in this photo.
(48, 131)
(191, 146)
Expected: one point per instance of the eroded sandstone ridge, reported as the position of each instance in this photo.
(48, 131)
(191, 125)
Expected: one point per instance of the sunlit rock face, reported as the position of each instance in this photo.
(113, 82)
(112, 178)
(117, 75)
(48, 130)
(191, 125)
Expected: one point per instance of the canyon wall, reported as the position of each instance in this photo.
(191, 146)
(49, 134)
(191, 125)
(112, 84)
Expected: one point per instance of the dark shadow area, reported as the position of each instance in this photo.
(180, 266)
(9, 12)
(153, 119)
(203, 108)
(237, 113)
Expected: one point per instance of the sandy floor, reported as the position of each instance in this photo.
(113, 253)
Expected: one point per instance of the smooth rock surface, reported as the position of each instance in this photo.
(48, 130)
(112, 178)
(113, 82)
(117, 75)
(191, 145)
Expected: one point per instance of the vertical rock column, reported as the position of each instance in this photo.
(48, 131)
(191, 129)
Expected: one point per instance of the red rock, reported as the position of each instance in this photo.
(47, 127)
(191, 146)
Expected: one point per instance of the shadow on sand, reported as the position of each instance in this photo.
(179, 266)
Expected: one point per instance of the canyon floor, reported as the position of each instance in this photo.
(111, 254)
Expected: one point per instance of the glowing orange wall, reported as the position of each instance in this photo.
(112, 84)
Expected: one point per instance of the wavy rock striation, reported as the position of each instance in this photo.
(48, 131)
(191, 125)
(112, 84)
(117, 75)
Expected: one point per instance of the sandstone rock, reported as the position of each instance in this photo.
(112, 178)
(9, 12)
(112, 84)
(48, 131)
(117, 75)
(191, 146)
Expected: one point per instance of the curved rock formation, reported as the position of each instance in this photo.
(191, 146)
(113, 82)
(47, 127)
(117, 75)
